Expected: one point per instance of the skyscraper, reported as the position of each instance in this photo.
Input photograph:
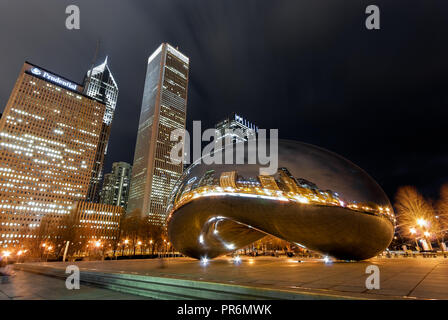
(115, 190)
(164, 108)
(49, 135)
(100, 84)
(235, 129)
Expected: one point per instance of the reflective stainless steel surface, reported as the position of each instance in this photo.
(315, 199)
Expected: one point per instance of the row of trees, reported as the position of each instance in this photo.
(421, 219)
(135, 235)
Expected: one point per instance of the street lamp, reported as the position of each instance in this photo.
(422, 222)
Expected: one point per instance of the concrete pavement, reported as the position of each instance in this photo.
(29, 286)
(400, 278)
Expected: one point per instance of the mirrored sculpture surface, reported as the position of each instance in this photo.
(315, 198)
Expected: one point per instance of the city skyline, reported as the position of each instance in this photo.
(307, 86)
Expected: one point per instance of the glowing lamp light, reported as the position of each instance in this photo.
(327, 259)
(6, 254)
(97, 244)
(427, 234)
(413, 231)
(139, 243)
(237, 259)
(204, 261)
(422, 222)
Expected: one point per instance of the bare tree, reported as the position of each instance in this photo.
(415, 215)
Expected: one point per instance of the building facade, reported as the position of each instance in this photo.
(234, 129)
(49, 135)
(100, 84)
(115, 190)
(101, 221)
(164, 109)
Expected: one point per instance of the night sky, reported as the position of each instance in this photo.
(309, 68)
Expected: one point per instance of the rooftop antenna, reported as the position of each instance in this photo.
(93, 64)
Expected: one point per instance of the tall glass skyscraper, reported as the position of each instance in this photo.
(164, 108)
(100, 85)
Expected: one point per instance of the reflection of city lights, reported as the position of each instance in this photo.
(237, 259)
(204, 261)
(201, 239)
(301, 195)
(327, 259)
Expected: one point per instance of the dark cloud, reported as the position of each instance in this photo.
(309, 68)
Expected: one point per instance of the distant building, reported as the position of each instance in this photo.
(49, 134)
(235, 129)
(115, 190)
(101, 221)
(100, 85)
(164, 109)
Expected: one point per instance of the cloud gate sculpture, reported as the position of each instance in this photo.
(316, 199)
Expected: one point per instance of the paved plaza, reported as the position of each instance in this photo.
(400, 278)
(29, 286)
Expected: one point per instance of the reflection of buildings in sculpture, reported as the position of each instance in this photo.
(49, 134)
(228, 179)
(247, 182)
(115, 190)
(287, 181)
(208, 179)
(164, 109)
(286, 187)
(268, 182)
(235, 129)
(101, 221)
